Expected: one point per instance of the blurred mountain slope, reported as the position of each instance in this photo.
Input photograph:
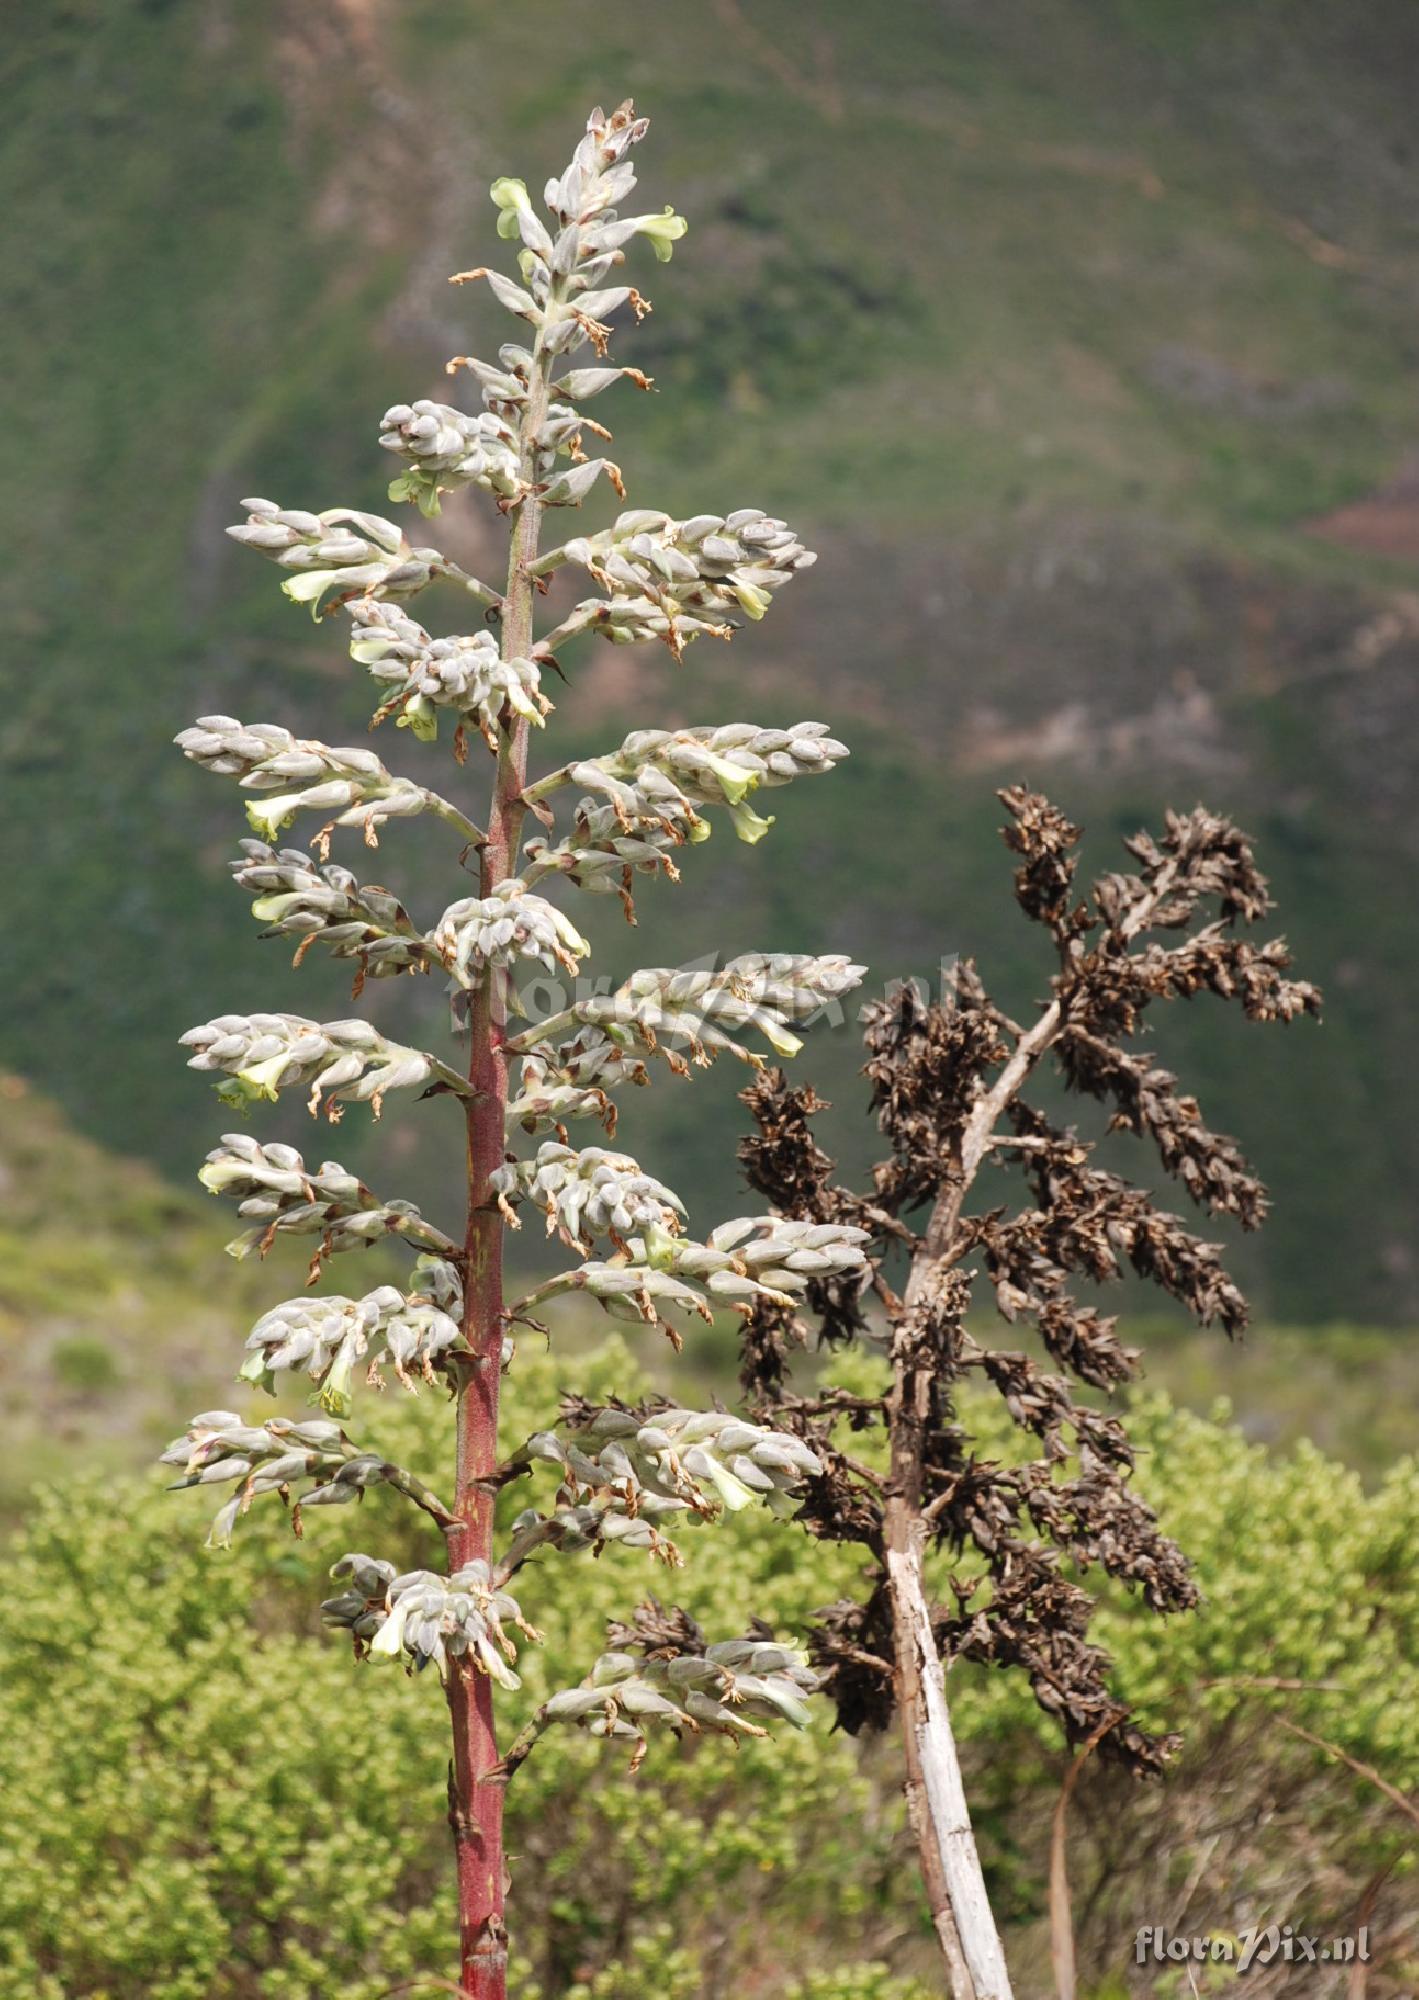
(1062, 331)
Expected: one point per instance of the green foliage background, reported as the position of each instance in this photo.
(227, 1807)
(1055, 328)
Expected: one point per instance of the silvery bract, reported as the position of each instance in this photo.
(296, 898)
(663, 1005)
(660, 775)
(626, 1474)
(572, 1079)
(673, 580)
(589, 1194)
(707, 564)
(696, 1460)
(623, 1476)
(755, 1257)
(344, 553)
(649, 806)
(447, 449)
(601, 856)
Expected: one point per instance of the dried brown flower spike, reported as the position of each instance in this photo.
(947, 1086)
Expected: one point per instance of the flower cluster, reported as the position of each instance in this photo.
(710, 564)
(562, 272)
(329, 1337)
(752, 1258)
(705, 1009)
(700, 1460)
(276, 1192)
(648, 804)
(625, 1471)
(341, 554)
(588, 1194)
(674, 580)
(479, 933)
(297, 898)
(264, 1054)
(218, 1447)
(505, 394)
(601, 856)
(718, 1689)
(572, 1081)
(430, 1619)
(351, 785)
(447, 449)
(660, 775)
(468, 676)
(623, 1474)
(563, 298)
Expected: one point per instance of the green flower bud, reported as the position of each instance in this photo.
(510, 197)
(664, 231)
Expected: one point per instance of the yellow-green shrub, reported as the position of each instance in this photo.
(204, 1800)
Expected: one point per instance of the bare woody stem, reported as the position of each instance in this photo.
(475, 1794)
(936, 1799)
(970, 1941)
(936, 1803)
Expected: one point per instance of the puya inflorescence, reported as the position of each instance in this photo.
(625, 1474)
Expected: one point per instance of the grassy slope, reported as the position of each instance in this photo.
(109, 1319)
(119, 1316)
(941, 266)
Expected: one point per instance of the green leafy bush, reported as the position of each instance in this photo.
(224, 1811)
(220, 1812)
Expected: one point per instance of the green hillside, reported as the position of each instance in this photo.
(1060, 330)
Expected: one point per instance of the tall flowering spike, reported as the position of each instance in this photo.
(528, 450)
